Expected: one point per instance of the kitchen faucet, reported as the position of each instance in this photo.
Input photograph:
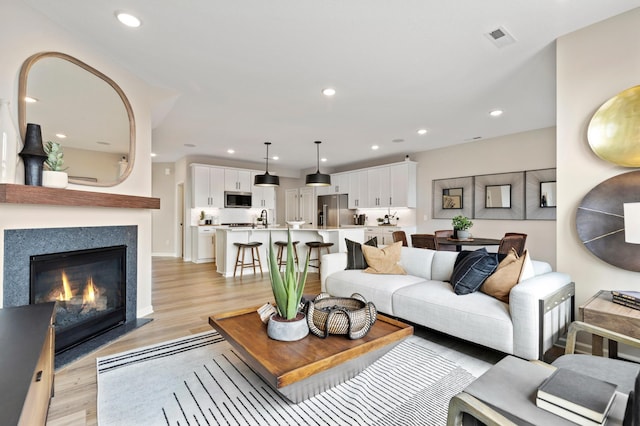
(263, 217)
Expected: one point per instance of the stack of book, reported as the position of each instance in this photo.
(576, 397)
(630, 299)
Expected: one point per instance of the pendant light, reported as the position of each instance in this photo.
(317, 178)
(266, 179)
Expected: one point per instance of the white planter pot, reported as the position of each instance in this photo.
(52, 179)
(288, 331)
(463, 235)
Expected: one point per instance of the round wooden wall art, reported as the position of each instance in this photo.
(600, 221)
(614, 130)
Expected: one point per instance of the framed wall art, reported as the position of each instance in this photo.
(452, 197)
(499, 196)
(541, 194)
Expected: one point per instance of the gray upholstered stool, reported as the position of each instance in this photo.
(318, 246)
(255, 257)
(282, 245)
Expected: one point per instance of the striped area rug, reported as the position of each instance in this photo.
(200, 380)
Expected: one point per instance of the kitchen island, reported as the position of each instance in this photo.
(226, 252)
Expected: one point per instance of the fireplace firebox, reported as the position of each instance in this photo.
(89, 288)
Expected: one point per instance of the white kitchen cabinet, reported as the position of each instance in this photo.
(358, 190)
(292, 205)
(206, 245)
(207, 186)
(385, 233)
(378, 185)
(403, 185)
(262, 197)
(237, 180)
(339, 184)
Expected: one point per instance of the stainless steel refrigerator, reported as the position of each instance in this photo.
(333, 211)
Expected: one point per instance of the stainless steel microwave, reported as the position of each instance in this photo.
(237, 199)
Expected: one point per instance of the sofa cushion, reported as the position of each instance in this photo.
(383, 260)
(355, 258)
(417, 261)
(374, 288)
(442, 265)
(476, 317)
(469, 274)
(500, 283)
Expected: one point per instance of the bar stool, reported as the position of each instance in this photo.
(253, 246)
(318, 245)
(283, 245)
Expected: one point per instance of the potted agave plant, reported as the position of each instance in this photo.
(289, 323)
(54, 175)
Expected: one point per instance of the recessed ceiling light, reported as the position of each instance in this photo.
(30, 100)
(496, 113)
(374, 147)
(60, 135)
(128, 19)
(275, 157)
(329, 91)
(153, 154)
(324, 160)
(230, 151)
(189, 145)
(422, 132)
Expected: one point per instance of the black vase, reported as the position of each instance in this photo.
(33, 155)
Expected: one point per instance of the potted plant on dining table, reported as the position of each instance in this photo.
(461, 225)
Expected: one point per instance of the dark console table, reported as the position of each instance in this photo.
(26, 363)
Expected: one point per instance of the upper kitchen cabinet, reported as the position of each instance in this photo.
(301, 205)
(262, 197)
(403, 184)
(378, 184)
(208, 186)
(358, 189)
(392, 186)
(237, 180)
(339, 185)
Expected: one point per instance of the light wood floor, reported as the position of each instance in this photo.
(184, 295)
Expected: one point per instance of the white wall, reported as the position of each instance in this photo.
(518, 152)
(24, 32)
(593, 65)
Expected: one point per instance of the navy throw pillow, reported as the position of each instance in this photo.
(470, 272)
(355, 257)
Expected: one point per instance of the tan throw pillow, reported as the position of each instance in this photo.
(383, 260)
(500, 283)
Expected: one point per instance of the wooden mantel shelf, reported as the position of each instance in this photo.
(27, 194)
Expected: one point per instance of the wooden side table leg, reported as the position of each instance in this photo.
(597, 345)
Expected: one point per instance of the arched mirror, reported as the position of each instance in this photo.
(83, 110)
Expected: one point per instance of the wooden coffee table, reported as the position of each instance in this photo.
(299, 370)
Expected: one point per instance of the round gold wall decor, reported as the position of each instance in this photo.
(614, 130)
(600, 221)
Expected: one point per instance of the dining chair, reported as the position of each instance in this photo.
(400, 236)
(444, 233)
(512, 240)
(426, 241)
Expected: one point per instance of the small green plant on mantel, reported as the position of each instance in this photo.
(461, 223)
(288, 286)
(55, 157)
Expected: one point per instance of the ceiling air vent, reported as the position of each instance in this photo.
(500, 37)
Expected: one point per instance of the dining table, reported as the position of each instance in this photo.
(475, 241)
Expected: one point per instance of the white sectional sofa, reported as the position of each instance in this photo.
(537, 310)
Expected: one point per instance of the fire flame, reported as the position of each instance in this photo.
(90, 292)
(66, 293)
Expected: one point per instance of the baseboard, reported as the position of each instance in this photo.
(148, 310)
(161, 254)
